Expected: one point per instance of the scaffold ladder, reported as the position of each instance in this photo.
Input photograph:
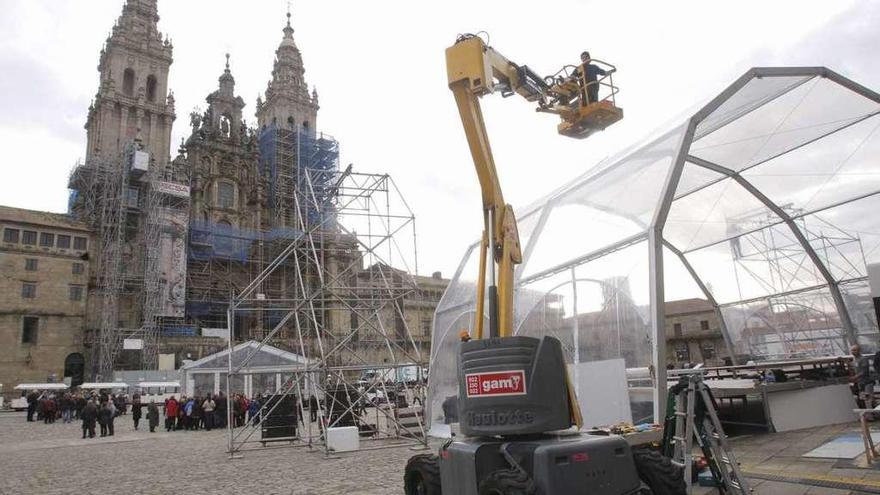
(693, 415)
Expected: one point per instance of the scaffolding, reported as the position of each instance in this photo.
(128, 201)
(345, 279)
(800, 318)
(223, 259)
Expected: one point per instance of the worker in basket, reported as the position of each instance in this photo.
(587, 75)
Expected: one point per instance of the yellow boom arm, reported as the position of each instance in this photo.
(475, 69)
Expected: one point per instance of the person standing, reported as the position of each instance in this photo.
(208, 408)
(221, 411)
(136, 410)
(89, 416)
(32, 399)
(197, 414)
(66, 405)
(113, 413)
(104, 417)
(187, 410)
(49, 409)
(588, 77)
(254, 411)
(863, 378)
(152, 416)
(80, 404)
(170, 413)
(313, 409)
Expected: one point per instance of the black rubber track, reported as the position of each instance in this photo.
(507, 482)
(659, 473)
(422, 475)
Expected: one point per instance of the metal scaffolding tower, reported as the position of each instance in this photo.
(127, 200)
(800, 315)
(350, 269)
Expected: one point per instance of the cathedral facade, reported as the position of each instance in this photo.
(232, 199)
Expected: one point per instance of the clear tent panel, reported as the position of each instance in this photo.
(713, 214)
(797, 325)
(203, 384)
(236, 385)
(845, 237)
(615, 203)
(859, 305)
(838, 167)
(754, 94)
(695, 177)
(599, 312)
(759, 263)
(263, 383)
(807, 112)
(263, 357)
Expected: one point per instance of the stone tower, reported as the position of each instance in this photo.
(288, 103)
(223, 159)
(133, 99)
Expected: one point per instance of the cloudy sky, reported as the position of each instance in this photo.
(379, 68)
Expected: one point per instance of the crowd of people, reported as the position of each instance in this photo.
(211, 411)
(98, 412)
(93, 409)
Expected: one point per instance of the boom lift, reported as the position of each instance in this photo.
(514, 392)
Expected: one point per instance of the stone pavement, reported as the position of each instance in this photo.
(52, 459)
(36, 458)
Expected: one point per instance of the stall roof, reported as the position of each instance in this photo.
(158, 384)
(101, 385)
(41, 386)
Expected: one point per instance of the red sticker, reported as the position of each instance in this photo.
(496, 383)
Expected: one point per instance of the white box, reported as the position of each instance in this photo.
(343, 439)
(140, 162)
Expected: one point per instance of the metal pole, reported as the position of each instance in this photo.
(575, 329)
(493, 289)
(229, 326)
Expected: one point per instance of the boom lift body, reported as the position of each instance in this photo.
(514, 391)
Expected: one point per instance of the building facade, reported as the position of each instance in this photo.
(44, 267)
(693, 334)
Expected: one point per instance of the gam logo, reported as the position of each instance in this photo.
(496, 383)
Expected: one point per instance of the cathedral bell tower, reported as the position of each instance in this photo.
(288, 102)
(133, 101)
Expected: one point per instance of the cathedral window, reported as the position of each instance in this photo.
(151, 88)
(306, 125)
(225, 195)
(128, 82)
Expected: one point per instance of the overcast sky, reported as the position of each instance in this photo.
(379, 69)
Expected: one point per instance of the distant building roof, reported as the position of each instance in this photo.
(40, 218)
(687, 306)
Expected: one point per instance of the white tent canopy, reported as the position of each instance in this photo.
(41, 386)
(158, 384)
(103, 385)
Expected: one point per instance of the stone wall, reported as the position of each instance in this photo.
(56, 304)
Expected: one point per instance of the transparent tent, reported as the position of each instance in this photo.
(764, 200)
(264, 370)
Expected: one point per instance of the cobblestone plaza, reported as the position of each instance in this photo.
(37, 458)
